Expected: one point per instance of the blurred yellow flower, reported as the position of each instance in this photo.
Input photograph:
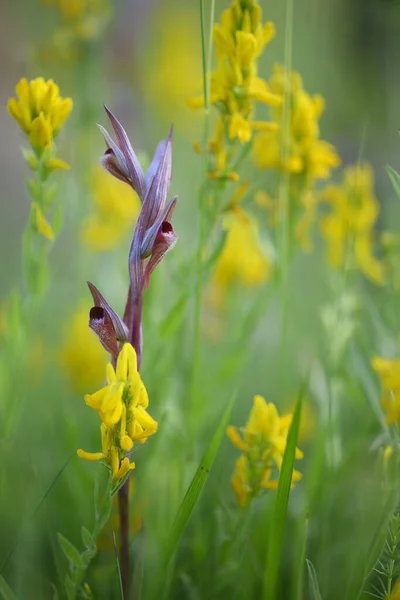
(348, 228)
(81, 357)
(121, 405)
(239, 40)
(39, 110)
(262, 442)
(305, 154)
(242, 259)
(116, 207)
(81, 20)
(388, 371)
(302, 153)
(170, 77)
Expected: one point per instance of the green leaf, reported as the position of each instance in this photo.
(315, 594)
(5, 591)
(70, 551)
(34, 188)
(88, 540)
(395, 179)
(30, 158)
(281, 504)
(193, 492)
(119, 575)
(70, 588)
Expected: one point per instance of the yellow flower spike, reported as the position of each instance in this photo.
(90, 455)
(121, 405)
(263, 446)
(250, 266)
(39, 110)
(42, 225)
(348, 227)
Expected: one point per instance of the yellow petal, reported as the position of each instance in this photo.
(235, 438)
(57, 163)
(90, 455)
(42, 225)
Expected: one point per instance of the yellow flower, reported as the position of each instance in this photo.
(263, 443)
(40, 110)
(388, 371)
(81, 357)
(239, 40)
(121, 405)
(305, 154)
(242, 258)
(348, 228)
(116, 207)
(297, 150)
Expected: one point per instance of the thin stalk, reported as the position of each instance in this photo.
(284, 179)
(123, 508)
(206, 60)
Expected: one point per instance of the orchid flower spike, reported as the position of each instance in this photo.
(153, 237)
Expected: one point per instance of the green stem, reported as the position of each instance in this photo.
(284, 183)
(203, 194)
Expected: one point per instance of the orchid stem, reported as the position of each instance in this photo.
(123, 507)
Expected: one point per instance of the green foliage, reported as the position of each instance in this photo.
(313, 582)
(196, 485)
(277, 530)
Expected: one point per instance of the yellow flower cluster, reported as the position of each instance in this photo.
(348, 228)
(116, 206)
(82, 20)
(239, 40)
(81, 357)
(121, 406)
(389, 375)
(296, 149)
(263, 443)
(40, 111)
(305, 154)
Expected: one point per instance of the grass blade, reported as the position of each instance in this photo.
(120, 588)
(281, 503)
(193, 492)
(315, 594)
(395, 179)
(39, 504)
(6, 592)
